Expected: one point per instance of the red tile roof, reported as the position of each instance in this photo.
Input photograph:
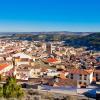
(66, 82)
(80, 71)
(2, 66)
(52, 60)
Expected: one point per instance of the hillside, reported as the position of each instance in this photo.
(90, 40)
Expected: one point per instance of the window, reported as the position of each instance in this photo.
(38, 73)
(58, 75)
(80, 82)
(80, 77)
(96, 75)
(71, 76)
(85, 77)
(85, 83)
(24, 59)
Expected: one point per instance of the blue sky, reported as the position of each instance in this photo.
(49, 15)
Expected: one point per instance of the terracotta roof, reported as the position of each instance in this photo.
(97, 71)
(66, 82)
(80, 71)
(51, 60)
(2, 66)
(62, 76)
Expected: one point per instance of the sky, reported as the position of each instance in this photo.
(49, 15)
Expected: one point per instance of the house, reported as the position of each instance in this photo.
(22, 58)
(25, 72)
(52, 61)
(22, 72)
(63, 74)
(44, 71)
(58, 82)
(35, 72)
(65, 82)
(84, 77)
(5, 69)
(52, 73)
(60, 66)
(49, 72)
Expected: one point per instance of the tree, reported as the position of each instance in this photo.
(1, 91)
(0, 77)
(11, 89)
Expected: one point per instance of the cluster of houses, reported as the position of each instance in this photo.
(49, 63)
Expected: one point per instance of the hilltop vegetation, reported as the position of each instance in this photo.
(90, 40)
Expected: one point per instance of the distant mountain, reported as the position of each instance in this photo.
(55, 32)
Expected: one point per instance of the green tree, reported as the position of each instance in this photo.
(1, 91)
(0, 77)
(11, 89)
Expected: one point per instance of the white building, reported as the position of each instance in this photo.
(22, 58)
(83, 77)
(34, 73)
(22, 72)
(53, 73)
